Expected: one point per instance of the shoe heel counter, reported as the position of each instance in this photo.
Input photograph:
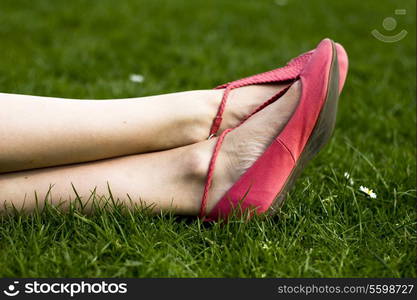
(259, 186)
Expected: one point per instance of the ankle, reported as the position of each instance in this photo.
(197, 159)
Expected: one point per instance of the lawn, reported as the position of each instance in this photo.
(327, 228)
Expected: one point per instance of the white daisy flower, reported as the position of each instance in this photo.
(370, 193)
(136, 78)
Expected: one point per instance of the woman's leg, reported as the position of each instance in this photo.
(39, 131)
(163, 179)
(172, 179)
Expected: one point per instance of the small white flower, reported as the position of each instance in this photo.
(367, 191)
(136, 78)
(347, 176)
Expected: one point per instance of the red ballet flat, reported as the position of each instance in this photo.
(263, 187)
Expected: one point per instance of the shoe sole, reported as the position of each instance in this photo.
(320, 135)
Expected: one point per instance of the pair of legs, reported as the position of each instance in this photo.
(152, 150)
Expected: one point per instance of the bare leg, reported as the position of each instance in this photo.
(172, 179)
(39, 131)
(165, 179)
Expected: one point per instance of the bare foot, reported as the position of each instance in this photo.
(244, 100)
(246, 143)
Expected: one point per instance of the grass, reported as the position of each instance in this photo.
(87, 49)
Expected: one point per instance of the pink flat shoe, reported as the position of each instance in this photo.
(286, 74)
(263, 187)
